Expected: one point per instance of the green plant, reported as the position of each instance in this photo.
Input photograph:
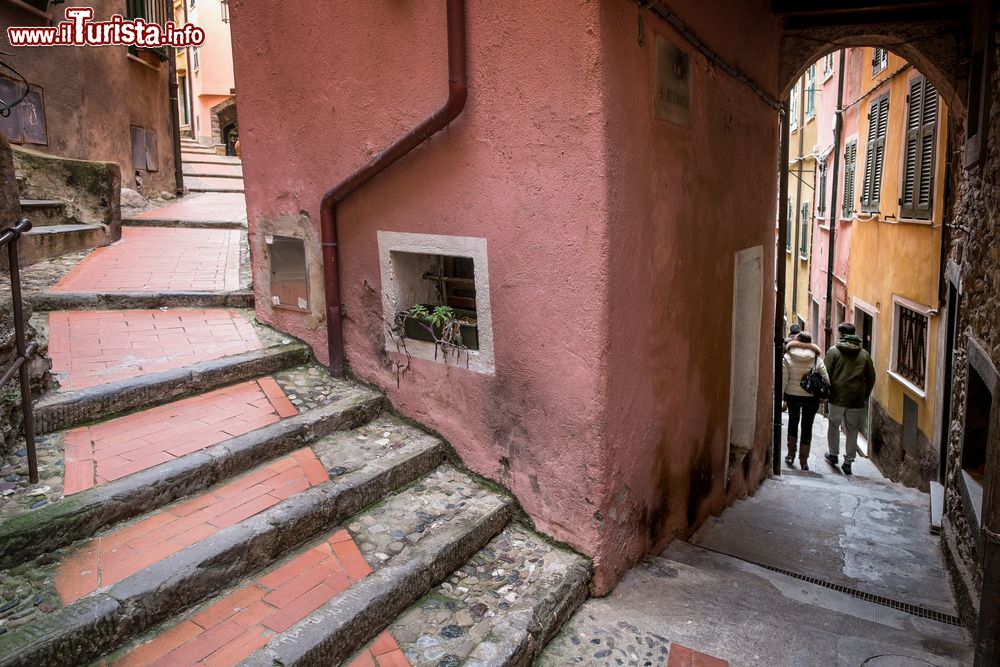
(420, 312)
(442, 315)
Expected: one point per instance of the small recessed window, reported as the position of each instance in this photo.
(289, 273)
(910, 358)
(144, 149)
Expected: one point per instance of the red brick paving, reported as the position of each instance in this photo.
(227, 632)
(383, 652)
(93, 347)
(682, 656)
(110, 558)
(157, 259)
(119, 447)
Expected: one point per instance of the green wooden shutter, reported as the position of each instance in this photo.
(917, 197)
(821, 206)
(866, 188)
(928, 136)
(883, 127)
(850, 174)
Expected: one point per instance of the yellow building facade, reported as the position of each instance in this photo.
(895, 256)
(802, 171)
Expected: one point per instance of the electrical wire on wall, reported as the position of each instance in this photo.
(5, 107)
(668, 16)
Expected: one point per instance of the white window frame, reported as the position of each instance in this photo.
(882, 64)
(920, 309)
(793, 107)
(828, 66)
(809, 91)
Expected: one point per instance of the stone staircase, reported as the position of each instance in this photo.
(53, 234)
(207, 171)
(249, 509)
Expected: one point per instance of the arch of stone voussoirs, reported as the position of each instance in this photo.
(935, 49)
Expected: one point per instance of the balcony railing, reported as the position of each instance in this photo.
(25, 351)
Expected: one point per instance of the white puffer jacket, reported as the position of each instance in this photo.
(798, 361)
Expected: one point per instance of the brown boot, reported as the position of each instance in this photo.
(804, 455)
(792, 443)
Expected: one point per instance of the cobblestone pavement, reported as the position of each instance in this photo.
(457, 622)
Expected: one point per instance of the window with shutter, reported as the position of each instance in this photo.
(880, 60)
(790, 227)
(850, 172)
(917, 195)
(804, 233)
(878, 125)
(810, 91)
(821, 193)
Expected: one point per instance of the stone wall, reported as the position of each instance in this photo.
(10, 394)
(973, 246)
(914, 468)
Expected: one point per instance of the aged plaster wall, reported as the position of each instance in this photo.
(522, 168)
(673, 239)
(93, 94)
(972, 244)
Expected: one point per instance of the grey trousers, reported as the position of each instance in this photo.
(851, 419)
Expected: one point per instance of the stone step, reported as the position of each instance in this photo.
(219, 170)
(120, 469)
(64, 409)
(44, 212)
(194, 549)
(47, 241)
(205, 158)
(213, 184)
(500, 608)
(48, 301)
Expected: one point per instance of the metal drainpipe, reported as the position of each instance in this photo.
(838, 131)
(175, 121)
(798, 202)
(779, 279)
(457, 94)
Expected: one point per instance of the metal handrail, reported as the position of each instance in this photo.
(9, 237)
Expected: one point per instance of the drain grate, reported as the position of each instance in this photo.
(905, 607)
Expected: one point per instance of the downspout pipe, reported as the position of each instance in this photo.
(838, 132)
(437, 121)
(779, 281)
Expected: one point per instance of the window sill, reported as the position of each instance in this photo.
(906, 383)
(28, 8)
(972, 505)
(913, 221)
(139, 60)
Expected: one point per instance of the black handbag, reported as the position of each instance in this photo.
(814, 383)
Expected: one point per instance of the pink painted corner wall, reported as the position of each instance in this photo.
(610, 238)
(684, 201)
(522, 167)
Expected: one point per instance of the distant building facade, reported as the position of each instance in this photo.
(207, 97)
(105, 103)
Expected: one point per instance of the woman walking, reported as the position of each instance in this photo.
(801, 357)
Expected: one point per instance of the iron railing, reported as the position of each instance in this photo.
(25, 351)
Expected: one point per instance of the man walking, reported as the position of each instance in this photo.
(852, 376)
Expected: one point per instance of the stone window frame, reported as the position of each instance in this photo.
(902, 302)
(480, 361)
(973, 495)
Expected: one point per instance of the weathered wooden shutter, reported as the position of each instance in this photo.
(821, 207)
(917, 195)
(866, 189)
(883, 127)
(850, 173)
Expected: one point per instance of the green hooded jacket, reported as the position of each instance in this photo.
(852, 373)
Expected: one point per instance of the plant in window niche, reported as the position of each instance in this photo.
(451, 330)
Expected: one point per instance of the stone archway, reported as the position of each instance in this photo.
(224, 124)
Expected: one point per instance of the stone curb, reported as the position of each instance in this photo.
(332, 633)
(98, 623)
(186, 224)
(528, 630)
(46, 301)
(61, 410)
(81, 515)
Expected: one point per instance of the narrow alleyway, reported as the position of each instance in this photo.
(816, 569)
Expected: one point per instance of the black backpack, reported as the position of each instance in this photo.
(814, 383)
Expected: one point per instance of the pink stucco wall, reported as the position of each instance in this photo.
(610, 238)
(674, 230)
